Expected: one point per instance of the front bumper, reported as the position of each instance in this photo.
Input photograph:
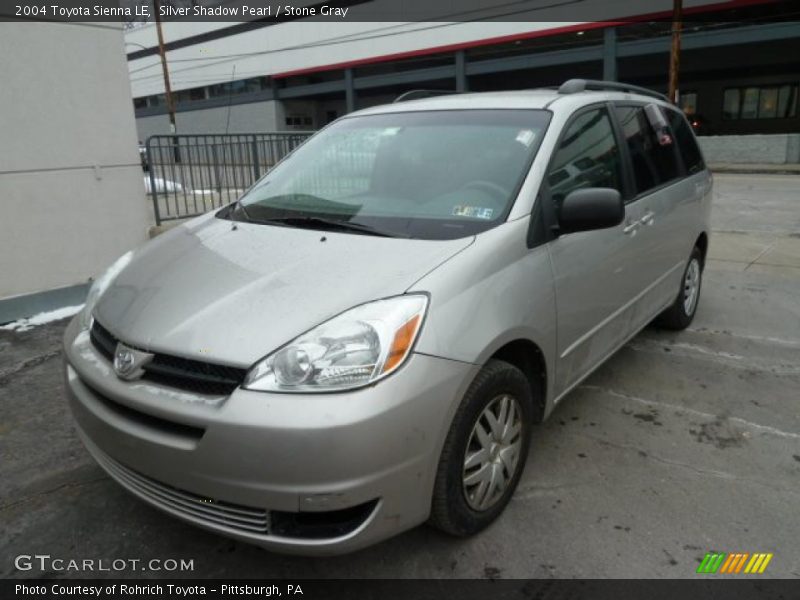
(236, 464)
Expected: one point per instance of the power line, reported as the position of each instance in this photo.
(350, 38)
(330, 42)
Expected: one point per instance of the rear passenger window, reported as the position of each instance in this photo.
(687, 144)
(588, 156)
(654, 162)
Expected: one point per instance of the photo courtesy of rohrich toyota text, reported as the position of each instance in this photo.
(139, 590)
(399, 299)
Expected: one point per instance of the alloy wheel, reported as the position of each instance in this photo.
(691, 286)
(492, 456)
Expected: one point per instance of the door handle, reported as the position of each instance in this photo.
(648, 218)
(631, 227)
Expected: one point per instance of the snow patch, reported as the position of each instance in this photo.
(42, 318)
(169, 186)
(162, 185)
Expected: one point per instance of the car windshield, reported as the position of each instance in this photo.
(427, 174)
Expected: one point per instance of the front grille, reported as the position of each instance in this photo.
(215, 512)
(103, 340)
(175, 371)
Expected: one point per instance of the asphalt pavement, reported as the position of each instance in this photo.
(682, 443)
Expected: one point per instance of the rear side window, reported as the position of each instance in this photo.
(687, 144)
(654, 162)
(587, 156)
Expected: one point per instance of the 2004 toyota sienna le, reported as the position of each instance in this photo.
(363, 341)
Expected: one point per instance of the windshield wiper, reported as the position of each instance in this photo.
(245, 216)
(333, 223)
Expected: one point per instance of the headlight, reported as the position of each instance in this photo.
(100, 285)
(358, 347)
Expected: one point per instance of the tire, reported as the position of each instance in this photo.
(459, 508)
(681, 313)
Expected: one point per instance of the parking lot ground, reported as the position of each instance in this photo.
(682, 443)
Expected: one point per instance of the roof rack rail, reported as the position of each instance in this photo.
(579, 85)
(418, 94)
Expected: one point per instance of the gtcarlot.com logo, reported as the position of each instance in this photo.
(734, 563)
(46, 562)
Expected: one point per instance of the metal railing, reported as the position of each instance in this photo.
(188, 175)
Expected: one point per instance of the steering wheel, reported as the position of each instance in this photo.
(488, 187)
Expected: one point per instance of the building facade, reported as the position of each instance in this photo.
(740, 66)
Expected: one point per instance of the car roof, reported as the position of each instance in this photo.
(543, 98)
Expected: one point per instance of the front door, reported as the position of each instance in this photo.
(594, 271)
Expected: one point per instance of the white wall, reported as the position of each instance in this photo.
(770, 149)
(71, 185)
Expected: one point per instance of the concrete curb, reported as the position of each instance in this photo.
(159, 229)
(756, 169)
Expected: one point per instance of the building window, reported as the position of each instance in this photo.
(219, 89)
(768, 103)
(749, 103)
(242, 86)
(787, 101)
(295, 121)
(762, 102)
(689, 103)
(190, 95)
(139, 103)
(730, 104)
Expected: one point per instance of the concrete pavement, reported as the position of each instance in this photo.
(682, 443)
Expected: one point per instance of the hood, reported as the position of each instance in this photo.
(207, 291)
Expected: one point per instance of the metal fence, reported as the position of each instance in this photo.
(187, 175)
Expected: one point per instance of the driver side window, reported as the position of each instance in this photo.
(588, 156)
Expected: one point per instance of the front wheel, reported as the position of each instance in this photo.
(485, 451)
(680, 314)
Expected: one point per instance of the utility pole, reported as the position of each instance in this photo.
(167, 87)
(675, 51)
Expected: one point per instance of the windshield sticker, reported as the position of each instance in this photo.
(475, 212)
(525, 137)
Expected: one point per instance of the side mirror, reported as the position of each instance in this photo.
(590, 208)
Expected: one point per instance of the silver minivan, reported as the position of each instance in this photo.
(364, 340)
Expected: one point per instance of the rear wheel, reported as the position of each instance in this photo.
(680, 314)
(485, 451)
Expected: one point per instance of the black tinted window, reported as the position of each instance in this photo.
(587, 156)
(687, 144)
(653, 157)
